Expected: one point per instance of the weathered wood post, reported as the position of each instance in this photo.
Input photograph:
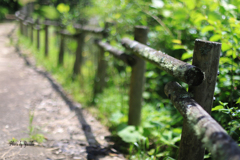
(21, 26)
(99, 81)
(137, 80)
(61, 51)
(78, 59)
(213, 136)
(31, 25)
(206, 57)
(38, 33)
(46, 38)
(25, 28)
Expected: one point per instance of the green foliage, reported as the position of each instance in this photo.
(49, 12)
(231, 118)
(63, 8)
(130, 134)
(3, 12)
(173, 27)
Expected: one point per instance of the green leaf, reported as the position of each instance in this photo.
(217, 108)
(207, 28)
(177, 130)
(180, 14)
(63, 8)
(49, 12)
(115, 117)
(177, 41)
(238, 101)
(190, 4)
(224, 104)
(215, 37)
(198, 18)
(227, 7)
(226, 46)
(187, 55)
(228, 61)
(130, 134)
(151, 152)
(157, 3)
(175, 47)
(166, 13)
(151, 74)
(146, 95)
(214, 16)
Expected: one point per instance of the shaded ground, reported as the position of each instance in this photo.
(70, 132)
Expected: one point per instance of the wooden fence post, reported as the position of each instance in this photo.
(99, 81)
(78, 59)
(137, 80)
(21, 26)
(61, 51)
(38, 34)
(31, 25)
(25, 28)
(206, 57)
(46, 39)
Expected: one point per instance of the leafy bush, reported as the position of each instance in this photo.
(173, 27)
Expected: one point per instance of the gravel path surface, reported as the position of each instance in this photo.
(69, 131)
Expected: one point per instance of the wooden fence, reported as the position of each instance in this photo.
(200, 130)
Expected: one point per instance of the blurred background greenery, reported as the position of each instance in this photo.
(173, 27)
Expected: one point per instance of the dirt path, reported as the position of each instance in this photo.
(70, 132)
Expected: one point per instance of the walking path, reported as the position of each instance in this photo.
(69, 131)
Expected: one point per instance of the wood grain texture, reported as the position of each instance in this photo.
(206, 57)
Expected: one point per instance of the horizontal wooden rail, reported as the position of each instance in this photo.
(51, 23)
(67, 34)
(212, 135)
(89, 29)
(38, 27)
(128, 59)
(179, 69)
(29, 21)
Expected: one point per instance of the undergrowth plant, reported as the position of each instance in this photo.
(173, 27)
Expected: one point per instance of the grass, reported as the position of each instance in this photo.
(112, 105)
(77, 88)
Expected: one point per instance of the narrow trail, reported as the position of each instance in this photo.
(69, 131)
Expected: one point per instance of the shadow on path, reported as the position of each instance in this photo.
(94, 150)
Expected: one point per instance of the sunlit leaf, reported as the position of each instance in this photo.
(118, 15)
(175, 47)
(167, 13)
(215, 37)
(214, 16)
(63, 8)
(157, 3)
(238, 101)
(207, 28)
(177, 130)
(199, 18)
(190, 4)
(187, 55)
(151, 152)
(49, 12)
(115, 117)
(130, 134)
(176, 41)
(217, 108)
(146, 95)
(180, 14)
(228, 6)
(224, 104)
(226, 46)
